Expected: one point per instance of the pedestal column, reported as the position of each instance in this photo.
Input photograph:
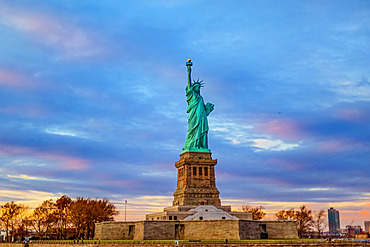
(196, 182)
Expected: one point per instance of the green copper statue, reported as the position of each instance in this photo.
(196, 138)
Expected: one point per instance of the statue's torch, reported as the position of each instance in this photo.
(189, 63)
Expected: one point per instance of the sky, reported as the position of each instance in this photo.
(92, 101)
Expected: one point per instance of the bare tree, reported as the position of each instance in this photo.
(319, 221)
(304, 220)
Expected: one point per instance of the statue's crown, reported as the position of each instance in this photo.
(198, 82)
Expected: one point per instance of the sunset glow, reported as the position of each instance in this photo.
(92, 101)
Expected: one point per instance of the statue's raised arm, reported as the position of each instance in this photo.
(196, 137)
(188, 65)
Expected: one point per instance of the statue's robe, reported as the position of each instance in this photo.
(196, 138)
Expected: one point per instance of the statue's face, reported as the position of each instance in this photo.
(196, 87)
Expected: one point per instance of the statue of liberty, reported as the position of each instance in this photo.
(196, 138)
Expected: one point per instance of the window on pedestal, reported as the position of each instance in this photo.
(200, 171)
(194, 171)
(181, 172)
(206, 171)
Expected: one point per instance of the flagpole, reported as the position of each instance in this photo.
(125, 208)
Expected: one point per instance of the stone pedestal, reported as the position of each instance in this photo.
(196, 180)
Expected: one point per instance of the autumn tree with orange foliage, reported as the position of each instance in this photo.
(285, 214)
(11, 218)
(42, 218)
(61, 217)
(84, 213)
(303, 218)
(257, 212)
(57, 220)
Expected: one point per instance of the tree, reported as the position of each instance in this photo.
(102, 210)
(10, 213)
(42, 218)
(319, 221)
(78, 212)
(285, 215)
(21, 231)
(61, 219)
(257, 212)
(304, 220)
(84, 213)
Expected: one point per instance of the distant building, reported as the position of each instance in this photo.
(334, 222)
(367, 226)
(350, 231)
(358, 229)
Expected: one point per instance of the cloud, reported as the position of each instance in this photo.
(71, 40)
(31, 197)
(58, 131)
(16, 79)
(352, 91)
(247, 135)
(23, 177)
(284, 128)
(289, 82)
(311, 189)
(273, 145)
(65, 162)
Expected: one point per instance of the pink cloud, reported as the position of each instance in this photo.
(124, 183)
(350, 114)
(66, 162)
(53, 31)
(334, 146)
(15, 79)
(284, 164)
(27, 110)
(285, 129)
(273, 181)
(8, 78)
(234, 177)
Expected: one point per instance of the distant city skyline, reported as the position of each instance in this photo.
(92, 101)
(333, 220)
